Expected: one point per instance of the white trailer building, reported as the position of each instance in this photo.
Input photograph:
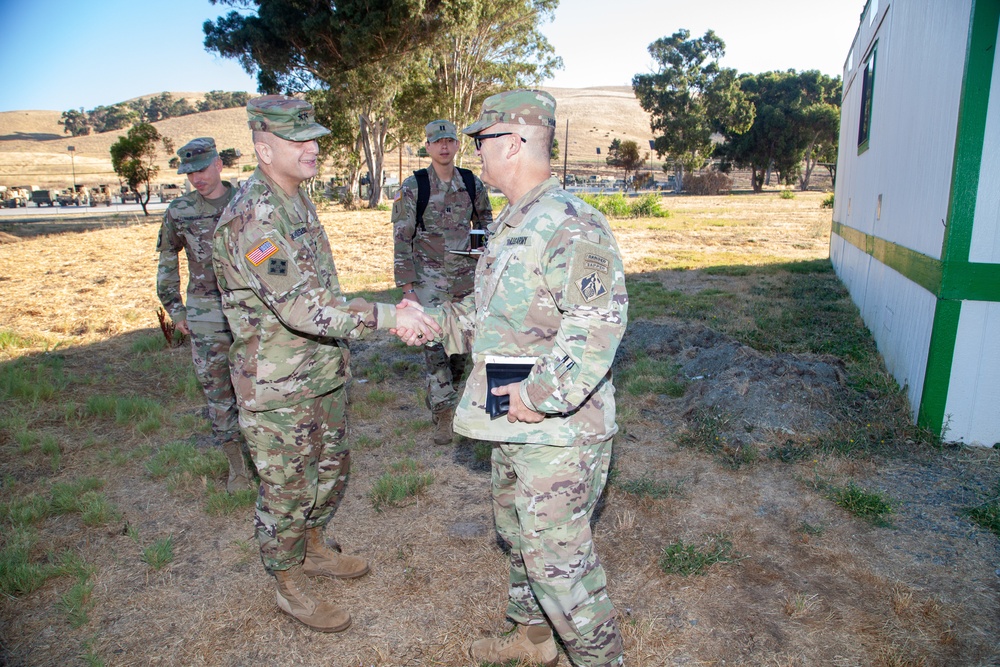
(916, 218)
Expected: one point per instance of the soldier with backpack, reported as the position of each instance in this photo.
(434, 211)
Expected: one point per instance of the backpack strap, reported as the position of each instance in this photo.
(423, 196)
(470, 187)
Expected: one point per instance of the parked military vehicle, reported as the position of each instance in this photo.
(74, 197)
(14, 197)
(100, 195)
(129, 195)
(169, 191)
(44, 198)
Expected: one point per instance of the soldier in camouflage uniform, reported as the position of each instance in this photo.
(290, 357)
(433, 263)
(189, 223)
(551, 287)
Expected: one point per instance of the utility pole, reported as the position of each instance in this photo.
(72, 160)
(565, 152)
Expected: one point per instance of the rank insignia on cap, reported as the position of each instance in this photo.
(261, 251)
(591, 287)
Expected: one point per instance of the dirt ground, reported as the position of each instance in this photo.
(808, 583)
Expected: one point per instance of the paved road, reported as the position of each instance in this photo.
(55, 211)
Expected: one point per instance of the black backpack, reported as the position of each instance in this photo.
(424, 194)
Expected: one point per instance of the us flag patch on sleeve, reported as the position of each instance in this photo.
(261, 251)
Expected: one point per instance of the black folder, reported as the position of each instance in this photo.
(502, 371)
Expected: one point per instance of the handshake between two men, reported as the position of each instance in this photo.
(415, 327)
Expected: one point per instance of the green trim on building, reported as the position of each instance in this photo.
(972, 111)
(953, 279)
(940, 356)
(968, 281)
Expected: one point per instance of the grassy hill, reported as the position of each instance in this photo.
(35, 151)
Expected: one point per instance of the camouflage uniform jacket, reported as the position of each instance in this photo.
(282, 299)
(189, 223)
(551, 285)
(421, 256)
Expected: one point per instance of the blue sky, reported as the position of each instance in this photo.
(64, 54)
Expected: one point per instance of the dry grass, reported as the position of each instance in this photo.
(841, 593)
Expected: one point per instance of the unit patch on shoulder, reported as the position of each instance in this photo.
(597, 262)
(260, 252)
(298, 232)
(591, 273)
(591, 287)
(277, 267)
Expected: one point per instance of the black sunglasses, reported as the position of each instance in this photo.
(479, 138)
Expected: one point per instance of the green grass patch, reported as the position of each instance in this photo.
(149, 344)
(786, 194)
(146, 414)
(619, 206)
(220, 503)
(186, 384)
(26, 441)
(690, 560)
(11, 340)
(987, 514)
(362, 442)
(649, 300)
(646, 375)
(160, 553)
(32, 380)
(402, 481)
(180, 462)
(707, 432)
(482, 451)
(18, 574)
(374, 370)
(872, 507)
(646, 487)
(497, 202)
(22, 511)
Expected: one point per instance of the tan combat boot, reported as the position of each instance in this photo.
(239, 475)
(297, 599)
(443, 432)
(322, 561)
(532, 643)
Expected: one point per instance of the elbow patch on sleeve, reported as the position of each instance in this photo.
(270, 260)
(591, 269)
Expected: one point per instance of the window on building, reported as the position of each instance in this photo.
(867, 92)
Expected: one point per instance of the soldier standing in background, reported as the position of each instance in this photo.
(189, 223)
(551, 287)
(432, 260)
(290, 358)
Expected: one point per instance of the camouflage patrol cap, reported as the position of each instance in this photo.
(440, 129)
(517, 107)
(197, 154)
(286, 117)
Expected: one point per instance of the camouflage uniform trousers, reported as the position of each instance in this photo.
(210, 342)
(543, 499)
(444, 371)
(303, 461)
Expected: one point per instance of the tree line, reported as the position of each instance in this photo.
(783, 122)
(377, 72)
(150, 110)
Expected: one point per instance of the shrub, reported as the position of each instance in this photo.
(827, 201)
(786, 194)
(708, 183)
